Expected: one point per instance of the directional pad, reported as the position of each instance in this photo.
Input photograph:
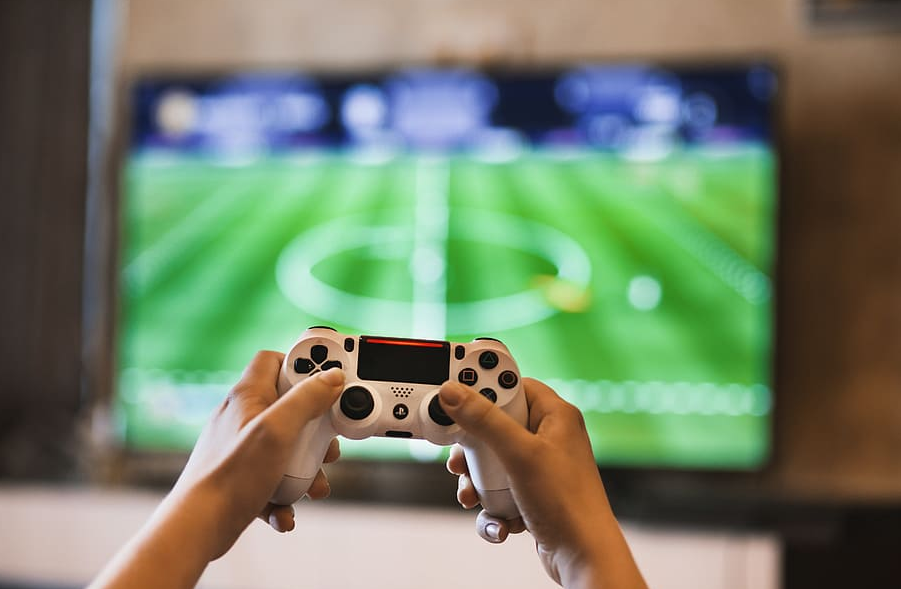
(319, 354)
(331, 364)
(303, 366)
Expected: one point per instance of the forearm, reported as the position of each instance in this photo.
(605, 563)
(171, 550)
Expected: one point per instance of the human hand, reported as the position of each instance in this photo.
(235, 467)
(555, 483)
(242, 453)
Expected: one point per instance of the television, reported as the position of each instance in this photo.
(613, 224)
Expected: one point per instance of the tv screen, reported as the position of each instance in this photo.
(612, 224)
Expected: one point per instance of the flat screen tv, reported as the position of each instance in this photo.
(614, 225)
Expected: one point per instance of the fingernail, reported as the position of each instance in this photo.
(493, 531)
(452, 394)
(332, 376)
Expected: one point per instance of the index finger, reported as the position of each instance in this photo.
(542, 400)
(261, 375)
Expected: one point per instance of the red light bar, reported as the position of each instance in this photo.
(405, 342)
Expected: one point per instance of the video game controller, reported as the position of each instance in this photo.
(391, 390)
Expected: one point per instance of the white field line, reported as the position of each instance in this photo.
(428, 260)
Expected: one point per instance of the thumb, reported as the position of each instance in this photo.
(306, 400)
(485, 421)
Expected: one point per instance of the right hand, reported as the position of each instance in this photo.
(555, 483)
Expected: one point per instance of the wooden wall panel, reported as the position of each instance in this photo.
(44, 56)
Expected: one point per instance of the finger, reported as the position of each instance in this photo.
(319, 488)
(456, 462)
(492, 529)
(466, 492)
(516, 526)
(333, 453)
(549, 413)
(483, 420)
(282, 518)
(304, 402)
(541, 398)
(262, 369)
(279, 517)
(256, 389)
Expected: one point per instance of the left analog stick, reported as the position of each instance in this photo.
(357, 403)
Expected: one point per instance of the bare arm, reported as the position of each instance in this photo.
(236, 465)
(555, 483)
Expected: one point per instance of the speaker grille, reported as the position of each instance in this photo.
(402, 392)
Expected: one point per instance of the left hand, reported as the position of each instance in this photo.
(242, 453)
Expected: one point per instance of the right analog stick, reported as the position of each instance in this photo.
(357, 403)
(436, 412)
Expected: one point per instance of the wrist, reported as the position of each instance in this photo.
(602, 558)
(200, 516)
(177, 534)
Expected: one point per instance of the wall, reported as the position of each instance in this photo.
(339, 545)
(838, 427)
(44, 57)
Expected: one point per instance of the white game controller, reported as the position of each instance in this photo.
(391, 390)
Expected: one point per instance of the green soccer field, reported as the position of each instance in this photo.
(639, 290)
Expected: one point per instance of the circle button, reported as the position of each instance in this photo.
(508, 379)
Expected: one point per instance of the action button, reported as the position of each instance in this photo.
(459, 352)
(349, 344)
(488, 360)
(331, 364)
(436, 412)
(468, 376)
(303, 365)
(489, 394)
(401, 411)
(357, 403)
(319, 354)
(508, 379)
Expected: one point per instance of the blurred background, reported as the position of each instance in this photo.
(783, 468)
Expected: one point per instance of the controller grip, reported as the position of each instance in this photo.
(290, 490)
(490, 480)
(305, 462)
(498, 503)
(489, 477)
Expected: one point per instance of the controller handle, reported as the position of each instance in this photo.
(308, 456)
(488, 474)
(490, 481)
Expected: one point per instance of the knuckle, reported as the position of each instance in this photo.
(481, 413)
(266, 356)
(572, 414)
(236, 393)
(266, 434)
